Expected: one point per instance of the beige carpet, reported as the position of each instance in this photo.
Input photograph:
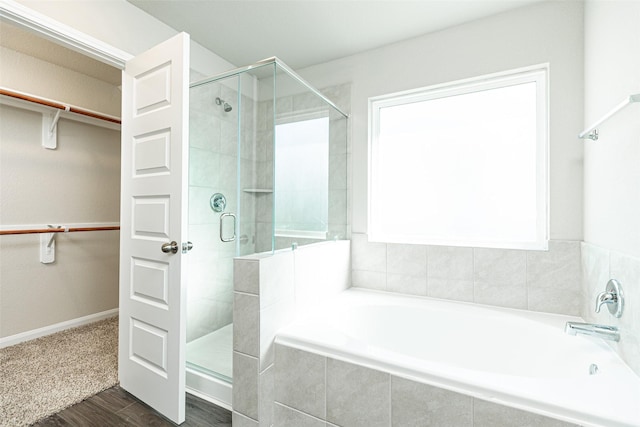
(41, 377)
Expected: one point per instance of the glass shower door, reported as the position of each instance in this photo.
(213, 206)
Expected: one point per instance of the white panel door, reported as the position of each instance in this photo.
(155, 102)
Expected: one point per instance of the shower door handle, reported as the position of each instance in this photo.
(232, 238)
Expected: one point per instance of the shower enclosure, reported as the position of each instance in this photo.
(268, 171)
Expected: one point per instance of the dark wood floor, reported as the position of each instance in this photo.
(116, 407)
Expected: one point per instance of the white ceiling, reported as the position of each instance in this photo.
(299, 32)
(308, 32)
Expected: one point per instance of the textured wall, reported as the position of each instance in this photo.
(79, 182)
(28, 74)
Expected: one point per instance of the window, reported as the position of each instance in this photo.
(302, 178)
(462, 164)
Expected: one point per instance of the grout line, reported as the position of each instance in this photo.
(247, 355)
(473, 411)
(386, 265)
(390, 405)
(473, 273)
(326, 391)
(300, 411)
(247, 293)
(426, 268)
(526, 277)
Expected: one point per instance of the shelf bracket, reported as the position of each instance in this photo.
(50, 128)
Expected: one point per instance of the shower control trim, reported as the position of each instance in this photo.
(218, 202)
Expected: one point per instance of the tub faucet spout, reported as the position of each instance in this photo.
(606, 332)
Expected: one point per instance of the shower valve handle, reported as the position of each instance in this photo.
(612, 297)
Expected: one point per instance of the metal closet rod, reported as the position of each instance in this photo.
(58, 230)
(592, 131)
(53, 104)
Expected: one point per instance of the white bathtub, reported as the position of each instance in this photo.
(517, 358)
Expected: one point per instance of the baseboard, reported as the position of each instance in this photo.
(51, 329)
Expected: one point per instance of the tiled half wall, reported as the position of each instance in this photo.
(269, 289)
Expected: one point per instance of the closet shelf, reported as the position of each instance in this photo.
(592, 131)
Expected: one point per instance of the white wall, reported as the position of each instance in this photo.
(612, 164)
(547, 32)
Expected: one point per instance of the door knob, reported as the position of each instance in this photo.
(170, 247)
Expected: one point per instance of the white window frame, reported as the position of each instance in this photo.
(538, 74)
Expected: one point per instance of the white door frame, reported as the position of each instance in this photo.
(48, 28)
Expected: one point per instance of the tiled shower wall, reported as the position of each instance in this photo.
(212, 169)
(547, 281)
(288, 107)
(598, 266)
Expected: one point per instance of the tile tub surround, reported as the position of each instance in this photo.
(598, 266)
(333, 392)
(460, 347)
(548, 281)
(269, 289)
